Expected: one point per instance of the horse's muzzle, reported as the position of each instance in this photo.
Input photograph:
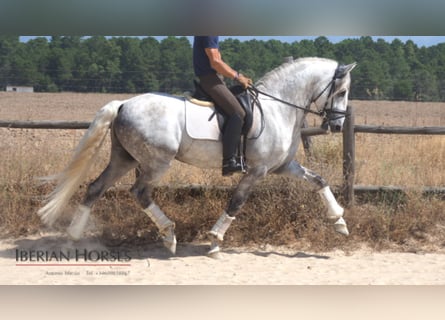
(336, 128)
(336, 125)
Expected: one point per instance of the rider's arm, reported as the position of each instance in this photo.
(218, 64)
(224, 69)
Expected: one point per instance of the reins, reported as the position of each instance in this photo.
(324, 112)
(252, 88)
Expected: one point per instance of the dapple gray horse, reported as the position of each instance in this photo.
(149, 131)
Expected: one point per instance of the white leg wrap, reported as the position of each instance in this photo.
(158, 217)
(221, 226)
(335, 211)
(79, 222)
(165, 225)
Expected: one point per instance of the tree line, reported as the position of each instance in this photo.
(391, 71)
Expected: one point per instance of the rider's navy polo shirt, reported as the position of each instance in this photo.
(201, 62)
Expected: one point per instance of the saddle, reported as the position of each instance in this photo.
(246, 100)
(243, 96)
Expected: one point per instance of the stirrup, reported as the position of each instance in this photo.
(232, 165)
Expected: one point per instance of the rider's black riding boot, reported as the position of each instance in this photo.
(231, 139)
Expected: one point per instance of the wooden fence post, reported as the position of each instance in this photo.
(348, 158)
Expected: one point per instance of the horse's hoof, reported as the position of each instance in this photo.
(215, 249)
(214, 252)
(170, 244)
(170, 241)
(78, 224)
(215, 255)
(73, 236)
(340, 227)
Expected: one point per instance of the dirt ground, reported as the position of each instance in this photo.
(154, 265)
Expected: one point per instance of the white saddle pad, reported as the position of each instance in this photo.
(197, 122)
(198, 126)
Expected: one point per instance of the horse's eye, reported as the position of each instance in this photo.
(341, 94)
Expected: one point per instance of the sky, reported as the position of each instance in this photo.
(421, 41)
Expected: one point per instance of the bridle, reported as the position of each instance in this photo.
(326, 113)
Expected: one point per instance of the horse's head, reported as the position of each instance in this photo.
(336, 100)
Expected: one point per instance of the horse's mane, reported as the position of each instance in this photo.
(274, 75)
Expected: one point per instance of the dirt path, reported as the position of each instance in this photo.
(37, 260)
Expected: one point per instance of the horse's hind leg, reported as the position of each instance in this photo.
(334, 210)
(120, 163)
(142, 189)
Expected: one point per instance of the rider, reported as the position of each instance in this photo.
(210, 69)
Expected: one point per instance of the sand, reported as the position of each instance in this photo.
(154, 265)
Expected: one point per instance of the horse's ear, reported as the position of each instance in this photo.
(351, 66)
(343, 70)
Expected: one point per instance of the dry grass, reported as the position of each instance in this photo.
(278, 212)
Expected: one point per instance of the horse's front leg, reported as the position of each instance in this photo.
(238, 199)
(334, 210)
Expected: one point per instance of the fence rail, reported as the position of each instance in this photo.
(362, 189)
(399, 130)
(45, 124)
(349, 131)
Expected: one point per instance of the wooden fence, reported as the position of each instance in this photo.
(45, 124)
(349, 130)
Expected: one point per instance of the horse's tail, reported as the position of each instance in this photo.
(71, 177)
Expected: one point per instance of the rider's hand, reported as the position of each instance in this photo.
(244, 81)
